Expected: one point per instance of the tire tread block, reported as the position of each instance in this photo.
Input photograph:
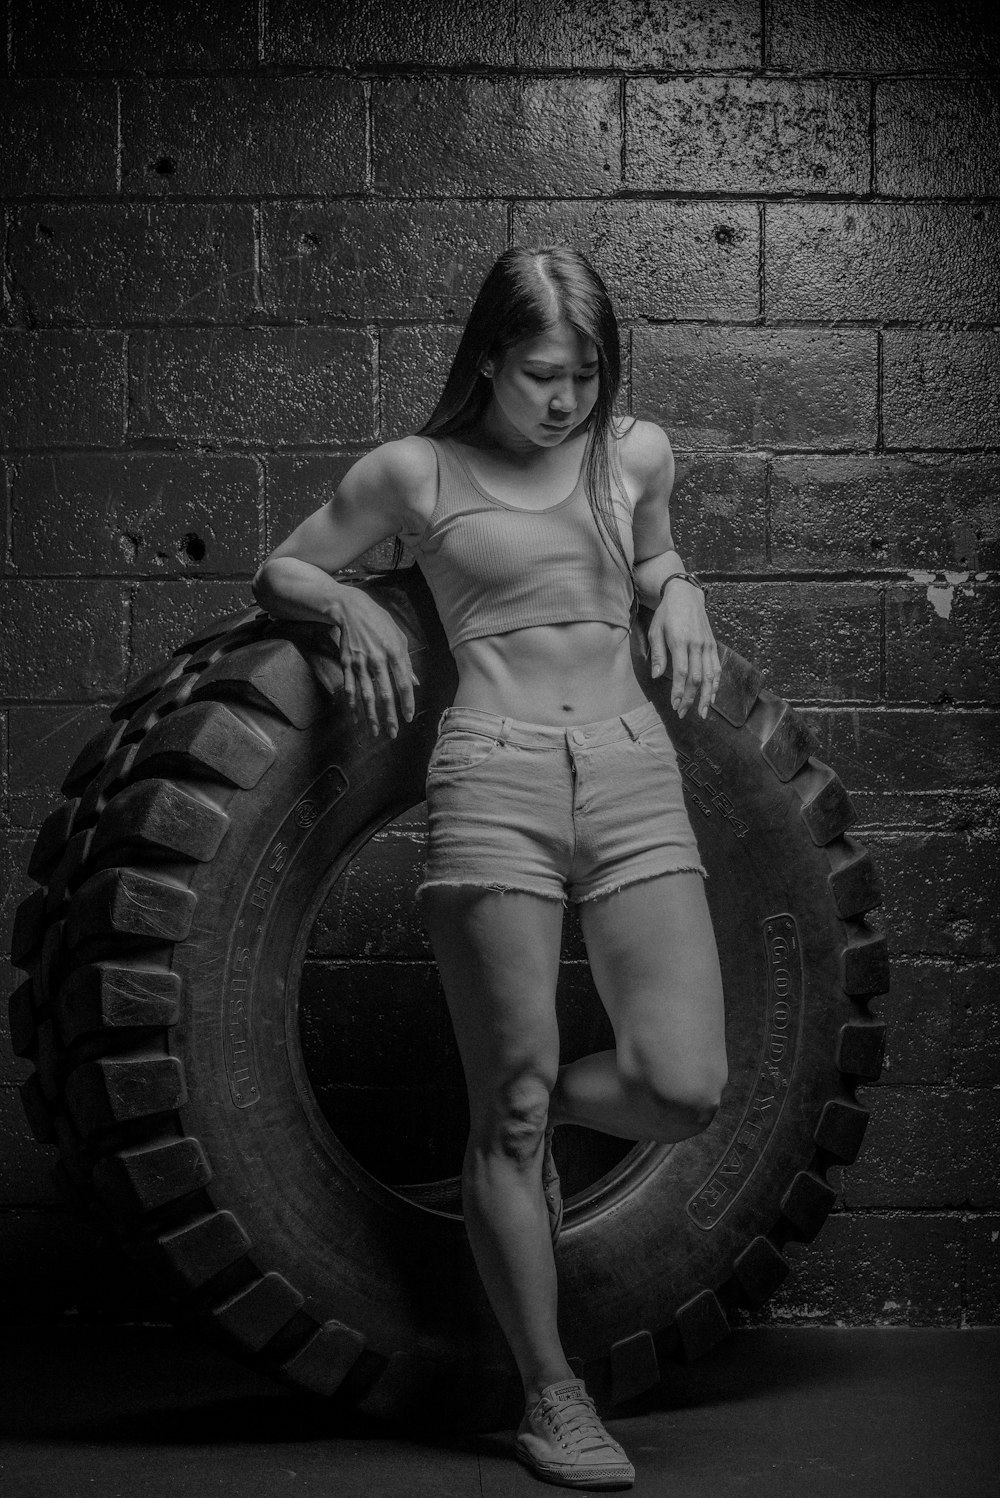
(37, 1110)
(866, 965)
(634, 1366)
(256, 1313)
(826, 807)
(95, 753)
(228, 624)
(324, 1361)
(701, 1323)
(152, 1175)
(855, 885)
(739, 687)
(807, 1204)
(759, 1270)
(164, 816)
(147, 686)
(861, 1049)
(206, 737)
(21, 1015)
(786, 740)
(198, 1251)
(28, 929)
(129, 902)
(110, 996)
(52, 838)
(272, 674)
(117, 1088)
(841, 1129)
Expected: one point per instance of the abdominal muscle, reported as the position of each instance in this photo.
(577, 672)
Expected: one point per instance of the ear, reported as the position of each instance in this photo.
(487, 370)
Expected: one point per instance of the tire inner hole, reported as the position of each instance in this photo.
(376, 1036)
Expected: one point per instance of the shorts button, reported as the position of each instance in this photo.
(578, 737)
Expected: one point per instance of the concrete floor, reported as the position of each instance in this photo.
(802, 1412)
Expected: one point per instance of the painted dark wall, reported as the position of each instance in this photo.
(238, 240)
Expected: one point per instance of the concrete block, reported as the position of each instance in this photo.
(255, 385)
(478, 136)
(635, 35)
(912, 262)
(358, 33)
(941, 388)
(922, 749)
(976, 1026)
(61, 389)
(893, 36)
(166, 614)
(44, 742)
(866, 512)
(24, 1163)
(61, 639)
(717, 512)
(917, 1012)
(746, 135)
(370, 913)
(810, 640)
(937, 138)
(296, 484)
(983, 1270)
(99, 264)
(940, 893)
(413, 365)
(128, 513)
(664, 260)
(372, 260)
(875, 1269)
(942, 640)
(928, 1148)
(115, 37)
(183, 136)
(749, 387)
(58, 137)
(929, 811)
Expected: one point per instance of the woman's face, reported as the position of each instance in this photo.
(545, 387)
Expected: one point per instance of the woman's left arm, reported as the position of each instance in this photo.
(679, 626)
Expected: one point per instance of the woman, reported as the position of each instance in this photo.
(537, 518)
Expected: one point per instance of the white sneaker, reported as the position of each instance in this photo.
(562, 1440)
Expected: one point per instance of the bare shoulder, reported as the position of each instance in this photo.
(646, 456)
(401, 475)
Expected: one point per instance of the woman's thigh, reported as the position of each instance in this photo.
(498, 956)
(655, 963)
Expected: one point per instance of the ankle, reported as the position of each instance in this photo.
(555, 1373)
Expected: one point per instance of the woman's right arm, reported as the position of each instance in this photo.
(382, 494)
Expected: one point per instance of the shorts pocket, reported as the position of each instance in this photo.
(656, 741)
(460, 749)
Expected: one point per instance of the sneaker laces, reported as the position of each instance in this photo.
(574, 1421)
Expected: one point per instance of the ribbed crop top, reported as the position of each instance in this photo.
(494, 567)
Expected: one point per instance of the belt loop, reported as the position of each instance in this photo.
(633, 733)
(503, 730)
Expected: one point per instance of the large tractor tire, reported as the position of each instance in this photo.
(178, 1070)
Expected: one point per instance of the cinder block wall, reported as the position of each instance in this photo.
(237, 243)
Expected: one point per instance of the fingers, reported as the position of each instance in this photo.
(696, 675)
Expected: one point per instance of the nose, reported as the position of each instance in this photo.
(564, 399)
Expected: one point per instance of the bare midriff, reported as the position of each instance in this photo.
(579, 672)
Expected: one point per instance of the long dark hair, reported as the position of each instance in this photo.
(528, 291)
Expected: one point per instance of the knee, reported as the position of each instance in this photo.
(682, 1105)
(514, 1123)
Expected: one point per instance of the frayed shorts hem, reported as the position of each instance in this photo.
(494, 887)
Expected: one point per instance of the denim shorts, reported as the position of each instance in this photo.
(566, 813)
